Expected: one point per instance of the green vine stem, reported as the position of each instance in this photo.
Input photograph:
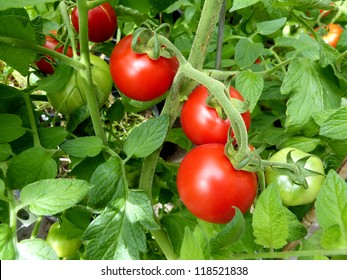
(31, 119)
(13, 219)
(86, 74)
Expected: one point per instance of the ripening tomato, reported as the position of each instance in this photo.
(72, 96)
(102, 22)
(210, 187)
(201, 123)
(138, 76)
(46, 63)
(60, 241)
(293, 193)
(333, 35)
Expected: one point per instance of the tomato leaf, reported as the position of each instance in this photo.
(331, 211)
(108, 183)
(10, 99)
(51, 137)
(335, 126)
(7, 250)
(304, 3)
(296, 229)
(5, 151)
(193, 245)
(51, 196)
(246, 52)
(270, 229)
(312, 89)
(35, 249)
(251, 85)
(147, 137)
(240, 4)
(118, 233)
(11, 127)
(230, 233)
(269, 27)
(29, 166)
(302, 143)
(16, 32)
(88, 146)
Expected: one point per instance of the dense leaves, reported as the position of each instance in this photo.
(106, 170)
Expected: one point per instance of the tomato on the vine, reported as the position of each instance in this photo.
(61, 243)
(102, 22)
(72, 95)
(201, 123)
(333, 35)
(210, 187)
(293, 193)
(138, 76)
(45, 63)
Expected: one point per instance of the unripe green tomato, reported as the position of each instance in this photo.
(72, 96)
(291, 193)
(58, 240)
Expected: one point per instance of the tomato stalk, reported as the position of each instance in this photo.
(86, 74)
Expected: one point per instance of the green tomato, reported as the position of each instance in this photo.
(60, 242)
(291, 193)
(72, 96)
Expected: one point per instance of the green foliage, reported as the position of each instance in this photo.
(109, 175)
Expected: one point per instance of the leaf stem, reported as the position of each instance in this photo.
(32, 120)
(21, 44)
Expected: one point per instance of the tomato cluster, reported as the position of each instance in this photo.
(208, 184)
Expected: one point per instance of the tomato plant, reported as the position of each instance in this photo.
(122, 175)
(72, 96)
(46, 63)
(295, 193)
(202, 123)
(138, 76)
(102, 22)
(210, 187)
(61, 243)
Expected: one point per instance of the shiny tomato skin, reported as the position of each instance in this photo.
(209, 186)
(201, 123)
(102, 22)
(138, 76)
(333, 35)
(51, 44)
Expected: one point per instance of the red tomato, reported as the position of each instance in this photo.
(138, 76)
(102, 22)
(209, 186)
(46, 66)
(334, 33)
(201, 123)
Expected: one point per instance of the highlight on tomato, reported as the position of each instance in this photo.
(46, 64)
(102, 22)
(138, 76)
(201, 123)
(210, 187)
